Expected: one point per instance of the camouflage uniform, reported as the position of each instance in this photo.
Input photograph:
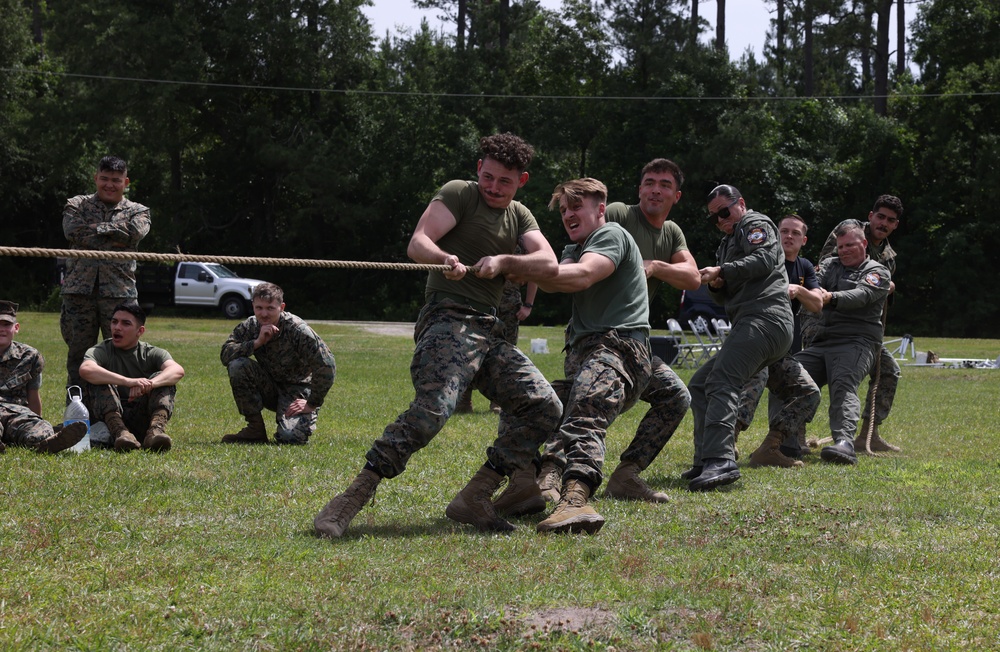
(457, 345)
(92, 288)
(144, 361)
(21, 370)
(510, 304)
(666, 394)
(848, 337)
(295, 364)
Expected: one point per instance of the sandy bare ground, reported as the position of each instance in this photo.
(398, 329)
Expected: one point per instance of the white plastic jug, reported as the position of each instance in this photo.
(77, 411)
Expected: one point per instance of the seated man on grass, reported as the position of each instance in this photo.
(132, 384)
(292, 372)
(21, 367)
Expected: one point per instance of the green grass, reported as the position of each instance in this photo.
(211, 547)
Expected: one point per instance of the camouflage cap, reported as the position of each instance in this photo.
(8, 312)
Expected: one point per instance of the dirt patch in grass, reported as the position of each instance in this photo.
(573, 619)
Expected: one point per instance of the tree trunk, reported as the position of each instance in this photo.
(36, 21)
(694, 23)
(866, 47)
(900, 37)
(807, 63)
(779, 38)
(460, 36)
(720, 25)
(882, 57)
(504, 24)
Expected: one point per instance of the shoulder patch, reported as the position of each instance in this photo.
(873, 279)
(757, 236)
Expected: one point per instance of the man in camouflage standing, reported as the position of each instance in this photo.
(607, 362)
(472, 227)
(104, 221)
(666, 259)
(292, 374)
(21, 366)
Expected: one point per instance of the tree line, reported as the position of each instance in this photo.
(287, 128)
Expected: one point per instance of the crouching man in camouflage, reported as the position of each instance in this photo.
(292, 374)
(607, 362)
(21, 367)
(472, 227)
(132, 384)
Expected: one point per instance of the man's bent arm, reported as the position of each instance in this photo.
(573, 277)
(681, 272)
(170, 374)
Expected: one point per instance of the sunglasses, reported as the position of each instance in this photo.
(722, 213)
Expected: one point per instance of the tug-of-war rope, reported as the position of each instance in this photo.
(146, 256)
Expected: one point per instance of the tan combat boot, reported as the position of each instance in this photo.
(474, 503)
(522, 496)
(125, 441)
(550, 481)
(333, 519)
(573, 514)
(878, 445)
(156, 439)
(625, 484)
(253, 433)
(63, 438)
(768, 453)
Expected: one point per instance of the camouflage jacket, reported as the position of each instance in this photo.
(295, 356)
(20, 370)
(89, 224)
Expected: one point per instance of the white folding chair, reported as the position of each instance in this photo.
(687, 352)
(709, 345)
(722, 328)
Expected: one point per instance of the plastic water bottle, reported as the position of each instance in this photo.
(77, 411)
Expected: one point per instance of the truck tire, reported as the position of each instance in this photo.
(233, 306)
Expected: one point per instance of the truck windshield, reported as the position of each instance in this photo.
(221, 270)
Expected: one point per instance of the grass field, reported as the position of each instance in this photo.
(211, 547)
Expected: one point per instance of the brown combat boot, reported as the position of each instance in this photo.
(464, 405)
(522, 496)
(550, 481)
(573, 514)
(63, 438)
(625, 484)
(878, 445)
(474, 503)
(253, 433)
(156, 439)
(768, 453)
(125, 441)
(333, 519)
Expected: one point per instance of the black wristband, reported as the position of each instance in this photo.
(528, 305)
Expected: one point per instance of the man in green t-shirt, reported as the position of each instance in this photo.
(131, 384)
(471, 228)
(666, 259)
(607, 362)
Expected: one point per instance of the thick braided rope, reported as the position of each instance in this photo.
(873, 388)
(146, 256)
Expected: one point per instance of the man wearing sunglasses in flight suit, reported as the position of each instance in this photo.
(750, 281)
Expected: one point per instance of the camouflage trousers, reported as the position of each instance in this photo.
(82, 319)
(19, 426)
(668, 400)
(605, 375)
(456, 346)
(254, 389)
(753, 344)
(841, 365)
(792, 401)
(136, 413)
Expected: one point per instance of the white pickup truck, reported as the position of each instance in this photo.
(195, 284)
